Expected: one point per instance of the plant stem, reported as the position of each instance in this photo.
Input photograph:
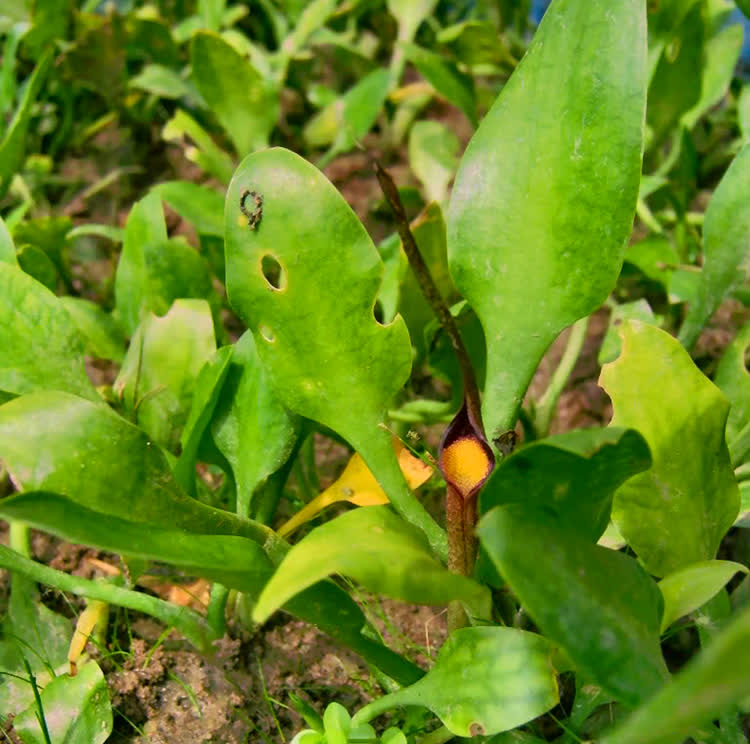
(429, 289)
(439, 736)
(546, 407)
(189, 623)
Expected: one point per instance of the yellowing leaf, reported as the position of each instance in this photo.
(358, 486)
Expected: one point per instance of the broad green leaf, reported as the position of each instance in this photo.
(76, 709)
(637, 310)
(208, 386)
(49, 235)
(445, 77)
(40, 347)
(711, 683)
(677, 512)
(726, 245)
(250, 426)
(13, 144)
(721, 54)
(57, 442)
(244, 104)
(376, 548)
(676, 84)
(484, 680)
(104, 338)
(158, 375)
(572, 476)
(153, 270)
(200, 205)
(333, 363)
(163, 82)
(432, 157)
(7, 249)
(233, 560)
(733, 379)
(691, 587)
(544, 197)
(205, 152)
(567, 584)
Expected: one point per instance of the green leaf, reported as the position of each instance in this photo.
(544, 198)
(432, 157)
(572, 476)
(722, 52)
(208, 387)
(637, 310)
(357, 111)
(7, 249)
(76, 709)
(153, 270)
(57, 442)
(711, 683)
(244, 104)
(161, 81)
(484, 680)
(200, 205)
(656, 257)
(691, 587)
(250, 426)
(377, 549)
(332, 363)
(104, 338)
(475, 42)
(676, 84)
(235, 561)
(677, 512)
(445, 77)
(568, 586)
(41, 347)
(733, 379)
(726, 237)
(205, 153)
(158, 376)
(13, 144)
(36, 263)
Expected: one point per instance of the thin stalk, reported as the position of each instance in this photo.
(189, 623)
(38, 700)
(546, 407)
(429, 289)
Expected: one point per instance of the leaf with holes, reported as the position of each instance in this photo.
(325, 354)
(544, 197)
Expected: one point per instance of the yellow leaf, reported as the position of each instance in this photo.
(358, 486)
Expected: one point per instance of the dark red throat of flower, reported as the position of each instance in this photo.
(465, 458)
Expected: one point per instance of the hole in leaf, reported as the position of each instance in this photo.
(273, 272)
(377, 311)
(267, 334)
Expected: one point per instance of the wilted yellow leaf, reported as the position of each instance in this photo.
(358, 486)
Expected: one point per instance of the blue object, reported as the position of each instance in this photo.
(537, 9)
